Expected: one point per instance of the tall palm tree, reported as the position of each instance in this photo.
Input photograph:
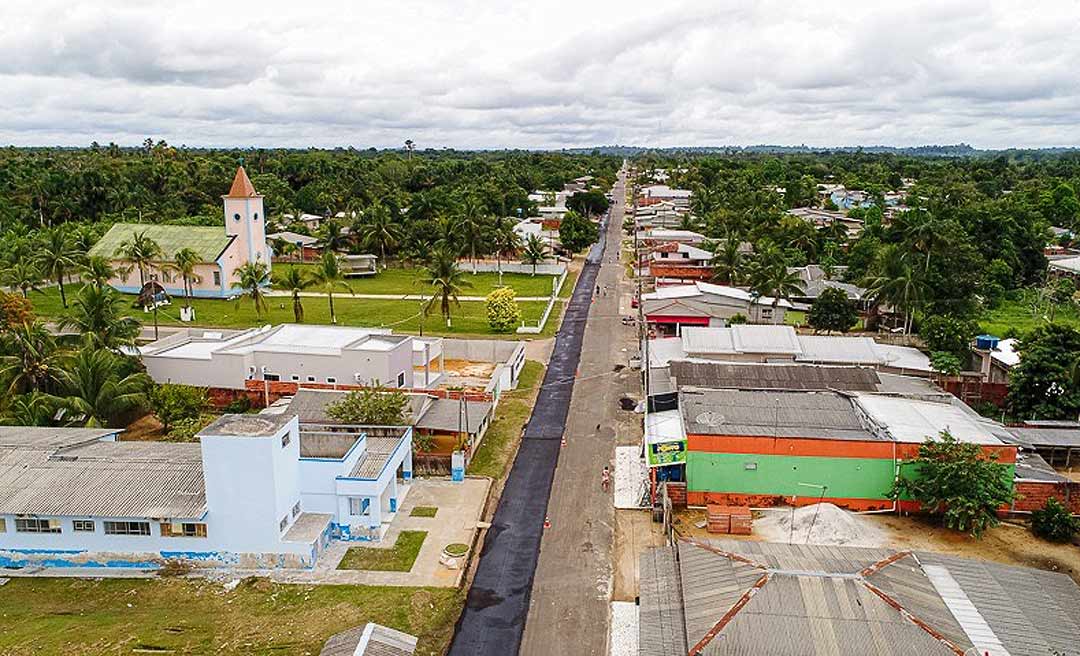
(141, 251)
(56, 255)
(378, 230)
(96, 387)
(33, 409)
(185, 261)
(471, 227)
(923, 231)
(446, 279)
(332, 236)
(100, 315)
(533, 251)
(329, 276)
(294, 280)
(892, 280)
(34, 360)
(97, 271)
(253, 278)
(779, 283)
(24, 276)
(505, 242)
(727, 260)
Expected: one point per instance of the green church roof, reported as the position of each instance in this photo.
(208, 241)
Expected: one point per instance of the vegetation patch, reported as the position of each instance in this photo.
(423, 511)
(398, 558)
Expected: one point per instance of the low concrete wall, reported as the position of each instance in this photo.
(546, 269)
(60, 558)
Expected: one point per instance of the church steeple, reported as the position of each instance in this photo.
(241, 185)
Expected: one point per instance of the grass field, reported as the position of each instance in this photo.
(80, 617)
(1014, 317)
(405, 281)
(424, 511)
(398, 558)
(403, 316)
(493, 456)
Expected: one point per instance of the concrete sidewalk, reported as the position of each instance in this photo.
(278, 293)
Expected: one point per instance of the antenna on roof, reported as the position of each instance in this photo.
(240, 160)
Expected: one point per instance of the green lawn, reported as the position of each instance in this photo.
(495, 452)
(402, 316)
(398, 558)
(404, 281)
(82, 617)
(424, 511)
(1015, 317)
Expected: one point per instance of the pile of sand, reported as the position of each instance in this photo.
(821, 523)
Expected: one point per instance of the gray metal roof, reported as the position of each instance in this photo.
(1046, 437)
(453, 415)
(376, 454)
(103, 479)
(381, 641)
(791, 600)
(747, 375)
(771, 414)
(46, 438)
(1032, 467)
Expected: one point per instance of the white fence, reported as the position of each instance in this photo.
(556, 287)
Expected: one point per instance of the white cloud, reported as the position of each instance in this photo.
(543, 73)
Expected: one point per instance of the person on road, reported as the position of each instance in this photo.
(605, 478)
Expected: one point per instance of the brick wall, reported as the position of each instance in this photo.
(677, 493)
(993, 392)
(1033, 496)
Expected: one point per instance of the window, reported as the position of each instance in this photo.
(183, 530)
(236, 217)
(217, 278)
(3, 525)
(401, 379)
(311, 379)
(295, 377)
(358, 506)
(296, 509)
(283, 523)
(35, 525)
(285, 440)
(271, 377)
(127, 528)
(83, 525)
(255, 216)
(331, 379)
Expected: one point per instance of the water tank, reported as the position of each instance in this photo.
(986, 342)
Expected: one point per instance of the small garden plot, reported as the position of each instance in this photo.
(423, 511)
(398, 558)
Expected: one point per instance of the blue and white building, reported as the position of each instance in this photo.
(254, 492)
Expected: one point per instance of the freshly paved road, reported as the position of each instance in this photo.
(569, 609)
(493, 620)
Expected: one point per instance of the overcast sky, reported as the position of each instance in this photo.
(543, 73)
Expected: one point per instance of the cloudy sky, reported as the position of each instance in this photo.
(544, 73)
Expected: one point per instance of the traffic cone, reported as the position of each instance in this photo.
(547, 522)
(564, 441)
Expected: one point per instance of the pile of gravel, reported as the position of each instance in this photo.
(821, 523)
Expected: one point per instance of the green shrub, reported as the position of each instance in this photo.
(238, 406)
(1053, 522)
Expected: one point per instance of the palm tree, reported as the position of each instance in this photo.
(378, 230)
(779, 283)
(100, 315)
(471, 227)
(443, 275)
(892, 280)
(33, 361)
(534, 251)
(924, 232)
(328, 276)
(96, 387)
(727, 260)
(332, 236)
(285, 249)
(33, 409)
(294, 280)
(505, 242)
(253, 278)
(184, 263)
(97, 271)
(24, 276)
(141, 251)
(55, 256)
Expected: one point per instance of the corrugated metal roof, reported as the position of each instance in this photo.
(376, 640)
(824, 601)
(1047, 437)
(913, 420)
(207, 241)
(104, 479)
(376, 454)
(453, 415)
(699, 340)
(773, 376)
(834, 348)
(1032, 467)
(50, 438)
(765, 339)
(771, 413)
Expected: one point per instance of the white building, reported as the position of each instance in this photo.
(254, 492)
(331, 355)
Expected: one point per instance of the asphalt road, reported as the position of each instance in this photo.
(569, 607)
(493, 620)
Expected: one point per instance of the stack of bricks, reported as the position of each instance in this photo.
(734, 520)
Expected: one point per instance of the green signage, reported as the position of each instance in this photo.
(666, 453)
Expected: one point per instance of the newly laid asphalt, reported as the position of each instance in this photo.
(494, 619)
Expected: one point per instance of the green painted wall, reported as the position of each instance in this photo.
(857, 478)
(853, 478)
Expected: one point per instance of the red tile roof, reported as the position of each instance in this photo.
(241, 186)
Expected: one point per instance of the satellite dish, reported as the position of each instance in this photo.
(709, 418)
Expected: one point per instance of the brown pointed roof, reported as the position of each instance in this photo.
(241, 186)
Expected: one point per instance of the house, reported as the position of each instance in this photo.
(363, 264)
(370, 640)
(823, 218)
(670, 309)
(658, 236)
(451, 424)
(551, 205)
(994, 358)
(307, 247)
(735, 597)
(661, 192)
(255, 492)
(676, 262)
(770, 447)
(815, 280)
(220, 252)
(1065, 267)
(311, 221)
(328, 355)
